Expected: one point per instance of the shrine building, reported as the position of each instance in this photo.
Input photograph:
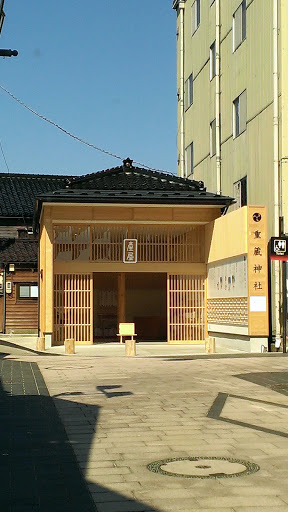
(133, 245)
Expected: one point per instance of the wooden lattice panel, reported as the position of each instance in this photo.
(232, 311)
(107, 243)
(186, 308)
(71, 243)
(100, 243)
(168, 243)
(73, 308)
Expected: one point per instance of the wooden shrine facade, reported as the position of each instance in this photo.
(73, 252)
(86, 286)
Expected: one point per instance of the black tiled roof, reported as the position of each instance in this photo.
(18, 192)
(123, 184)
(134, 178)
(126, 184)
(18, 250)
(137, 196)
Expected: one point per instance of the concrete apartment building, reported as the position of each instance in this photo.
(232, 102)
(227, 98)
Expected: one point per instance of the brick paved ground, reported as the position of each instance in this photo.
(125, 413)
(121, 414)
(38, 469)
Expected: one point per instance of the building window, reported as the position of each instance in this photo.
(195, 15)
(189, 160)
(27, 291)
(239, 25)
(213, 137)
(239, 114)
(212, 61)
(189, 92)
(240, 192)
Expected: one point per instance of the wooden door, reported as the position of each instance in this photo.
(185, 308)
(73, 308)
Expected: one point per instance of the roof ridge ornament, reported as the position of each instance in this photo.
(127, 163)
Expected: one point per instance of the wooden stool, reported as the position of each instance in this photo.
(126, 329)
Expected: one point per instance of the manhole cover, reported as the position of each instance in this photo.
(203, 467)
(56, 368)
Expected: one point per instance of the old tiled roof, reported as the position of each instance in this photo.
(18, 250)
(18, 192)
(123, 184)
(134, 178)
(126, 184)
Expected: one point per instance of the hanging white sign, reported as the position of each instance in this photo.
(130, 250)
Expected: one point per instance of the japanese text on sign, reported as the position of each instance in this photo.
(257, 269)
(130, 250)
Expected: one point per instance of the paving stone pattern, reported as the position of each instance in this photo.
(38, 468)
(121, 414)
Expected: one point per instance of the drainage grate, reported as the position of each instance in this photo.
(203, 467)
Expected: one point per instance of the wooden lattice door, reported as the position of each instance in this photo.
(73, 308)
(186, 308)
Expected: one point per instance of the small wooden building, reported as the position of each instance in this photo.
(19, 249)
(125, 245)
(18, 285)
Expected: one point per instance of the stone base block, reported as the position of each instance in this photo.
(40, 344)
(130, 348)
(69, 346)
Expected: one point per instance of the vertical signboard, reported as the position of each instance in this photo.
(257, 271)
(130, 250)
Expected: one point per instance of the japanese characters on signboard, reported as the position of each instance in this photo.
(130, 250)
(228, 278)
(257, 271)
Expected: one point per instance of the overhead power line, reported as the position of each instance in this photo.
(4, 158)
(12, 184)
(93, 146)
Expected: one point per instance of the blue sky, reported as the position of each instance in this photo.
(103, 70)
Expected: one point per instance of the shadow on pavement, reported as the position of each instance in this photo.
(38, 468)
(276, 381)
(13, 348)
(242, 355)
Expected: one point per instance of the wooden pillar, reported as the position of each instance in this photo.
(46, 273)
(49, 274)
(121, 304)
(41, 263)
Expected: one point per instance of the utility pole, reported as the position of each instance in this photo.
(5, 53)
